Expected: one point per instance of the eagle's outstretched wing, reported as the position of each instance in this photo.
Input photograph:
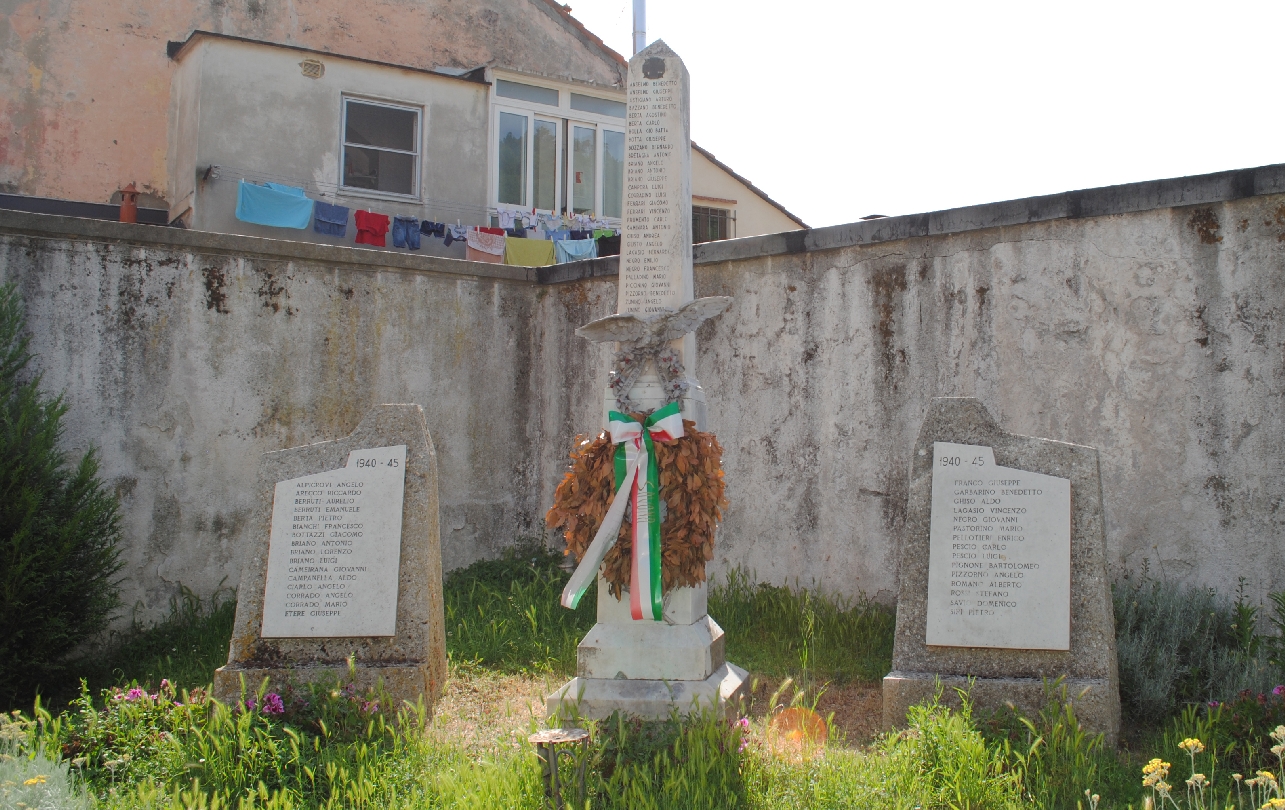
(689, 316)
(624, 328)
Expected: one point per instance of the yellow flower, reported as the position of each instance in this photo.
(1154, 773)
(1237, 777)
(1197, 780)
(36, 780)
(1267, 776)
(1192, 746)
(1274, 804)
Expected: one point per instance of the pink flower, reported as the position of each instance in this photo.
(249, 704)
(135, 694)
(272, 704)
(165, 683)
(1213, 704)
(1279, 690)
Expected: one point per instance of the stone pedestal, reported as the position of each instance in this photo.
(1003, 674)
(650, 669)
(410, 661)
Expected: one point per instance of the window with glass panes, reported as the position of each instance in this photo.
(710, 224)
(556, 156)
(381, 147)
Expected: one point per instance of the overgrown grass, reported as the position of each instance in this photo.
(808, 635)
(505, 614)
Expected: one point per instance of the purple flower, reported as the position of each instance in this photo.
(165, 683)
(1279, 690)
(249, 704)
(1213, 704)
(135, 694)
(272, 704)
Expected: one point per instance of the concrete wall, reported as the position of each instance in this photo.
(259, 118)
(85, 84)
(755, 216)
(1143, 320)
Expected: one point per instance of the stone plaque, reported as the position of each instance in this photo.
(366, 573)
(334, 550)
(656, 240)
(999, 565)
(1058, 624)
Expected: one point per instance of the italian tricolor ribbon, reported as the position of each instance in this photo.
(638, 484)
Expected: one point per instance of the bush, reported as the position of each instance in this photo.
(1180, 645)
(58, 528)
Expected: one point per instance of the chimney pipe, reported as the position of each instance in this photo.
(640, 25)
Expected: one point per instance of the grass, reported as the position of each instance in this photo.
(510, 643)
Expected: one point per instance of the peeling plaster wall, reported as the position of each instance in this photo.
(182, 366)
(85, 84)
(1154, 336)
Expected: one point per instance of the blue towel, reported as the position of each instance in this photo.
(571, 250)
(272, 206)
(557, 235)
(292, 190)
(331, 220)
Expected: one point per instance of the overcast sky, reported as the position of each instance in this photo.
(842, 108)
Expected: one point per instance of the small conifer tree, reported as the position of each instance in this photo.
(58, 528)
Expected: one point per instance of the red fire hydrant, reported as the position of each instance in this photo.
(129, 204)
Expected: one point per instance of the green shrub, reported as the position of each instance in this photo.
(58, 528)
(1179, 645)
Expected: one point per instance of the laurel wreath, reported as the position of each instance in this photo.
(691, 494)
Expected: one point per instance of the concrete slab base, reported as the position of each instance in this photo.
(1097, 705)
(597, 698)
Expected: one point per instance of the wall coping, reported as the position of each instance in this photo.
(1128, 198)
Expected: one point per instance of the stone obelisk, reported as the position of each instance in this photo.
(648, 668)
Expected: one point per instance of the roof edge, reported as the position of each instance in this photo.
(760, 192)
(562, 13)
(176, 49)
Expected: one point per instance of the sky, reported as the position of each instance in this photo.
(840, 108)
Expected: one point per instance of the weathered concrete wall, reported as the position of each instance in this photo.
(1145, 322)
(183, 363)
(85, 84)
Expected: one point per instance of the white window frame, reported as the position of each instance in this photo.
(564, 117)
(418, 171)
(531, 116)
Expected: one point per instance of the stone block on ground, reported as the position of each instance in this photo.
(356, 570)
(938, 601)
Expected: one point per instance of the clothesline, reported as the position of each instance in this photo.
(234, 174)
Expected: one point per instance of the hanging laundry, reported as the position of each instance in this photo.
(265, 205)
(558, 235)
(581, 234)
(528, 252)
(492, 231)
(516, 233)
(609, 245)
(598, 233)
(454, 233)
(406, 232)
(506, 218)
(573, 250)
(331, 220)
(434, 229)
(371, 228)
(485, 247)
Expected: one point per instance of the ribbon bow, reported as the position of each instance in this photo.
(638, 481)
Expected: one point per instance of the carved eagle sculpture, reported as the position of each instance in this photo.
(644, 337)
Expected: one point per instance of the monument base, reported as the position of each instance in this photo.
(597, 698)
(1096, 705)
(404, 683)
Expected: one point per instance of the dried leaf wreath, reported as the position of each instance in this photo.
(691, 489)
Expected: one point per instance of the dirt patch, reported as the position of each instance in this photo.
(857, 708)
(1206, 225)
(484, 712)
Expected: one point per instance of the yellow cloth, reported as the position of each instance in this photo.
(528, 252)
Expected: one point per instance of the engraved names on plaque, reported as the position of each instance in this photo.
(999, 568)
(335, 550)
(656, 240)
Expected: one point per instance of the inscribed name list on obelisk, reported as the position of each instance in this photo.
(656, 240)
(999, 562)
(335, 550)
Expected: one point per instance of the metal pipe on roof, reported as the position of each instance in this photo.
(640, 25)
